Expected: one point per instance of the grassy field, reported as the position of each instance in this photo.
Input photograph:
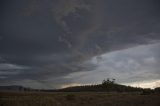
(77, 99)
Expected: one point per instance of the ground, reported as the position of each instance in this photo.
(77, 99)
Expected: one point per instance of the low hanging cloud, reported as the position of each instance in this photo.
(6, 66)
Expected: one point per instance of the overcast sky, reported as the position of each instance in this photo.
(58, 43)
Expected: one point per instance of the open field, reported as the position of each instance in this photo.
(77, 99)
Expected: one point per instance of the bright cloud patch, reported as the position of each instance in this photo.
(126, 66)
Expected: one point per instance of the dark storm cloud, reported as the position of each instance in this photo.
(57, 37)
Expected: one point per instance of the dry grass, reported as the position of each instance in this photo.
(77, 99)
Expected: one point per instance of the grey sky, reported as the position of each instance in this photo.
(43, 42)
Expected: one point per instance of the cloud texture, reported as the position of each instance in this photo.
(46, 40)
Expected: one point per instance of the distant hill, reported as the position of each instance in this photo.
(106, 86)
(110, 87)
(14, 88)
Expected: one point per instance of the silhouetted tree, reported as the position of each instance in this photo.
(108, 81)
(157, 90)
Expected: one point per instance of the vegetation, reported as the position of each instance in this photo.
(70, 97)
(106, 94)
(157, 90)
(106, 86)
(77, 99)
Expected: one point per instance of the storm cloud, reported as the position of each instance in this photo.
(44, 41)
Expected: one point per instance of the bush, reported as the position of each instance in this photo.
(146, 92)
(70, 97)
(157, 90)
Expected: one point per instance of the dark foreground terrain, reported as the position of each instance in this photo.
(77, 99)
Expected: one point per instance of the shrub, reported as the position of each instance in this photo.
(146, 92)
(70, 97)
(157, 90)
